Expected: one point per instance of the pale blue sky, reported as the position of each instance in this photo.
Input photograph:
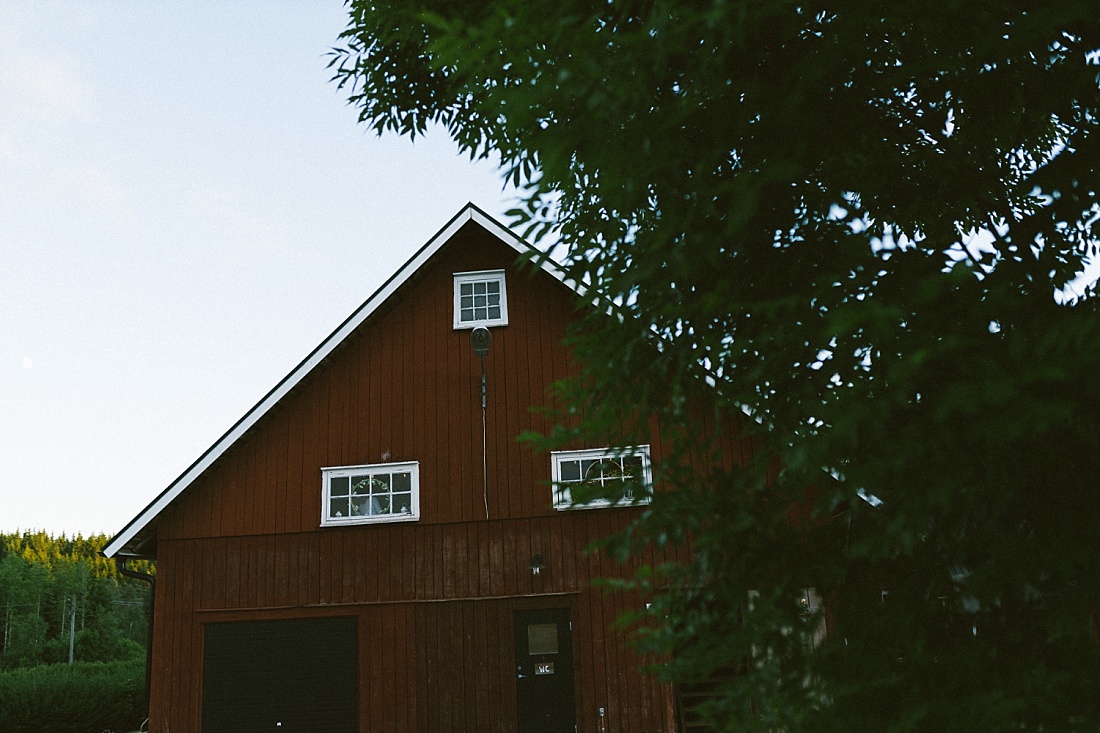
(187, 208)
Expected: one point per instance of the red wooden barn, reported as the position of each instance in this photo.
(369, 549)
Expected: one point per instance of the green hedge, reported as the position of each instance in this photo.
(88, 697)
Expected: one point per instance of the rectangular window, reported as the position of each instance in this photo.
(600, 477)
(383, 492)
(480, 299)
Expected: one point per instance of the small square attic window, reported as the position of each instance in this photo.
(480, 299)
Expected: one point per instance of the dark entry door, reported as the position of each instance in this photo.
(544, 672)
(280, 676)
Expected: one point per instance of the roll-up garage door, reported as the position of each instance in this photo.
(285, 676)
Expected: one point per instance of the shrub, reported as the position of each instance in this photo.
(87, 697)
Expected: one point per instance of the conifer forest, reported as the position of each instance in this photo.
(61, 601)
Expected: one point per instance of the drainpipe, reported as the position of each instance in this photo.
(120, 562)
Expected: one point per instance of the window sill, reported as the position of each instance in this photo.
(377, 519)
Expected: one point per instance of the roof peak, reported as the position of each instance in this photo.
(132, 537)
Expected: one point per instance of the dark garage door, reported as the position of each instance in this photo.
(285, 676)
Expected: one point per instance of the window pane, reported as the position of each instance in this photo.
(465, 289)
(402, 482)
(339, 486)
(360, 485)
(338, 508)
(570, 470)
(590, 468)
(479, 288)
(493, 287)
(494, 312)
(467, 314)
(542, 639)
(360, 507)
(380, 484)
(402, 503)
(632, 466)
(380, 505)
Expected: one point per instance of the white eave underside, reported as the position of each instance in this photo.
(212, 454)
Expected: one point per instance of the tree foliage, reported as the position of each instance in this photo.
(57, 590)
(861, 226)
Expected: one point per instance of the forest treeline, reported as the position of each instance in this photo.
(59, 592)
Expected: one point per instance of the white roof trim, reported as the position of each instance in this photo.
(468, 213)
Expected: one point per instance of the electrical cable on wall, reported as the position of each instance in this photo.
(481, 339)
(484, 463)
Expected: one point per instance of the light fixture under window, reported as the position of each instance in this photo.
(481, 339)
(536, 564)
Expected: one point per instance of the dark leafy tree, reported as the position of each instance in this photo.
(861, 228)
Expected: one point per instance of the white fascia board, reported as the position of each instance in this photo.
(521, 246)
(388, 288)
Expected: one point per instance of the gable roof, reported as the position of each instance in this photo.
(130, 540)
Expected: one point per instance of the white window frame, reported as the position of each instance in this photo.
(369, 470)
(562, 498)
(479, 276)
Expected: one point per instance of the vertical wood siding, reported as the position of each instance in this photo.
(406, 387)
(434, 598)
(435, 622)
